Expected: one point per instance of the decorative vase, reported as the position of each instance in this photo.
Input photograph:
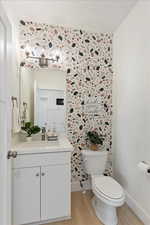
(94, 147)
(28, 139)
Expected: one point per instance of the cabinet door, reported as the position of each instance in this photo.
(55, 191)
(26, 195)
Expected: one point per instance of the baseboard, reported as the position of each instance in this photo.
(75, 186)
(51, 221)
(137, 209)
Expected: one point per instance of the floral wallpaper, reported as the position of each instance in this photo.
(87, 59)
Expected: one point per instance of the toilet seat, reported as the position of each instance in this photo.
(108, 190)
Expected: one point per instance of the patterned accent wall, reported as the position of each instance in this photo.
(87, 60)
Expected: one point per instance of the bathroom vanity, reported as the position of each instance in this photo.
(41, 182)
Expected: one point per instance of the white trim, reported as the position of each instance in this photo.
(75, 186)
(50, 221)
(5, 218)
(137, 209)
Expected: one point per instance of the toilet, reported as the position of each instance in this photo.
(108, 193)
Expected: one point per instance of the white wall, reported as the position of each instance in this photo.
(131, 125)
(50, 79)
(14, 83)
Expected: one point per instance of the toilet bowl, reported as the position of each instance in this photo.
(108, 193)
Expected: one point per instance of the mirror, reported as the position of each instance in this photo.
(43, 98)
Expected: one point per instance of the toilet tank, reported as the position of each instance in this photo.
(94, 161)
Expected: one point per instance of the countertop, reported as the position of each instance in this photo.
(33, 147)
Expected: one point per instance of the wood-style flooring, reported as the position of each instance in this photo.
(83, 213)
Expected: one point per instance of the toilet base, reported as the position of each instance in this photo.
(106, 213)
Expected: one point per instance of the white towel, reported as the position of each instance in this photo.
(16, 125)
(25, 113)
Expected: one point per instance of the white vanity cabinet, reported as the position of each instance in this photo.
(41, 187)
(26, 195)
(55, 192)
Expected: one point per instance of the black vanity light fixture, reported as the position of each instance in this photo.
(43, 60)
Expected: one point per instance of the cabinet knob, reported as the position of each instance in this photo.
(11, 154)
(37, 175)
(43, 174)
(14, 154)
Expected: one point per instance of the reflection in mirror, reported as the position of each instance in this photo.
(42, 98)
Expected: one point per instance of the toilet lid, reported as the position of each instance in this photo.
(109, 187)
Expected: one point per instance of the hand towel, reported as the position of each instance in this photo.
(16, 125)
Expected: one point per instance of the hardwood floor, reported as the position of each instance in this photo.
(83, 213)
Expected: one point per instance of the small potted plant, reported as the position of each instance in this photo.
(30, 129)
(95, 139)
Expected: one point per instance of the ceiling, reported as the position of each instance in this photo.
(91, 15)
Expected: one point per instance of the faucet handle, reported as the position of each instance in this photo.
(43, 129)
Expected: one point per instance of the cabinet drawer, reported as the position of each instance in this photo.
(31, 160)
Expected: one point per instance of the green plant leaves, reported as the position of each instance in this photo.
(95, 138)
(30, 129)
